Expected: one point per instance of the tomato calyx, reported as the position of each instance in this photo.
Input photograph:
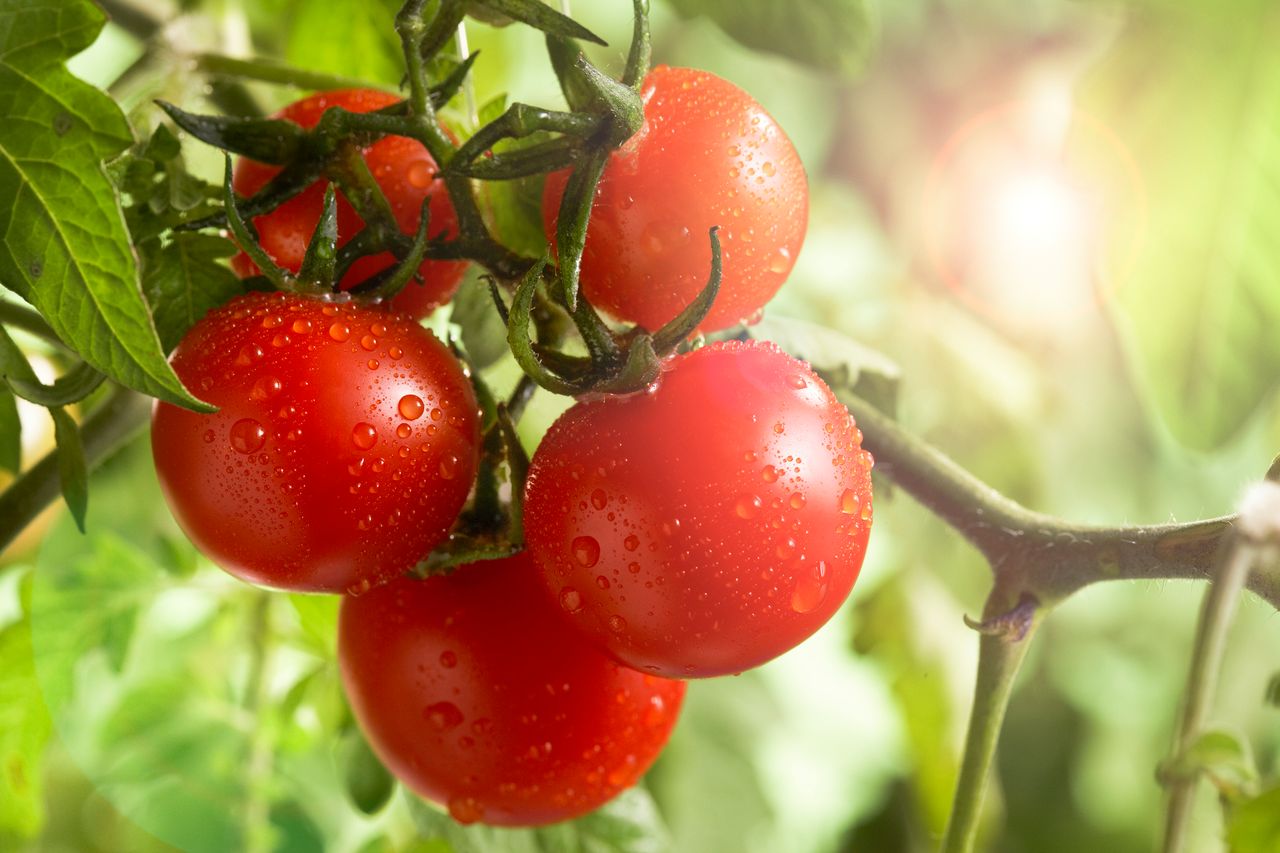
(617, 362)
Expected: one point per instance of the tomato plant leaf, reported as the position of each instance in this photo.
(353, 38)
(483, 332)
(184, 279)
(1198, 298)
(627, 824)
(73, 472)
(830, 35)
(1254, 826)
(10, 432)
(63, 243)
(24, 730)
(538, 15)
(368, 783)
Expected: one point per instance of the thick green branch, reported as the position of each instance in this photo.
(1052, 558)
(103, 432)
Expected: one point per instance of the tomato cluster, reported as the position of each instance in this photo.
(697, 528)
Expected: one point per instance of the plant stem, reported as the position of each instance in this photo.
(999, 659)
(21, 317)
(1052, 557)
(258, 832)
(266, 71)
(1219, 609)
(468, 85)
(103, 432)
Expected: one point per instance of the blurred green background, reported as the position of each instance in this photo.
(1058, 219)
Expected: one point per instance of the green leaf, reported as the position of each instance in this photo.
(842, 362)
(24, 730)
(1193, 92)
(184, 279)
(1254, 827)
(627, 824)
(63, 243)
(318, 619)
(354, 38)
(368, 783)
(1224, 757)
(829, 35)
(484, 334)
(73, 473)
(10, 432)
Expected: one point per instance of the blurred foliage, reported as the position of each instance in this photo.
(149, 703)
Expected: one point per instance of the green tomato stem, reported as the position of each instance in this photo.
(1216, 616)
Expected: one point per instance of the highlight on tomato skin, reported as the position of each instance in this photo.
(709, 525)
(708, 155)
(405, 171)
(343, 449)
(473, 692)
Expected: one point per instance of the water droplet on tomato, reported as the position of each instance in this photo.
(570, 599)
(781, 261)
(599, 499)
(404, 431)
(248, 353)
(586, 550)
(465, 810)
(247, 436)
(602, 581)
(369, 343)
(632, 542)
(449, 467)
(410, 407)
(617, 624)
(443, 716)
(810, 589)
(265, 388)
(849, 502)
(747, 506)
(768, 168)
(634, 568)
(797, 501)
(396, 353)
(448, 659)
(301, 325)
(420, 174)
(339, 331)
(209, 436)
(364, 435)
(769, 474)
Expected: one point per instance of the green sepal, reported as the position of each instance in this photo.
(266, 140)
(322, 251)
(538, 15)
(686, 322)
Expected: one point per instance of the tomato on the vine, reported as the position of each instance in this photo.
(708, 525)
(343, 449)
(708, 154)
(473, 692)
(405, 171)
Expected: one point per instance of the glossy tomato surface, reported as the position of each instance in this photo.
(708, 154)
(403, 169)
(474, 693)
(343, 449)
(709, 525)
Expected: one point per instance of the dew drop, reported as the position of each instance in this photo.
(247, 355)
(449, 467)
(369, 342)
(443, 716)
(849, 502)
(599, 499)
(617, 624)
(586, 550)
(634, 568)
(465, 810)
(768, 168)
(810, 589)
(797, 381)
(209, 436)
(419, 174)
(339, 331)
(247, 436)
(404, 431)
(301, 325)
(602, 581)
(410, 407)
(632, 542)
(656, 713)
(364, 435)
(781, 261)
(769, 474)
(748, 506)
(265, 388)
(797, 501)
(396, 353)
(377, 330)
(570, 599)
(448, 659)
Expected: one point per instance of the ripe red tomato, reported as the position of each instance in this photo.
(707, 155)
(343, 449)
(706, 526)
(476, 695)
(406, 173)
